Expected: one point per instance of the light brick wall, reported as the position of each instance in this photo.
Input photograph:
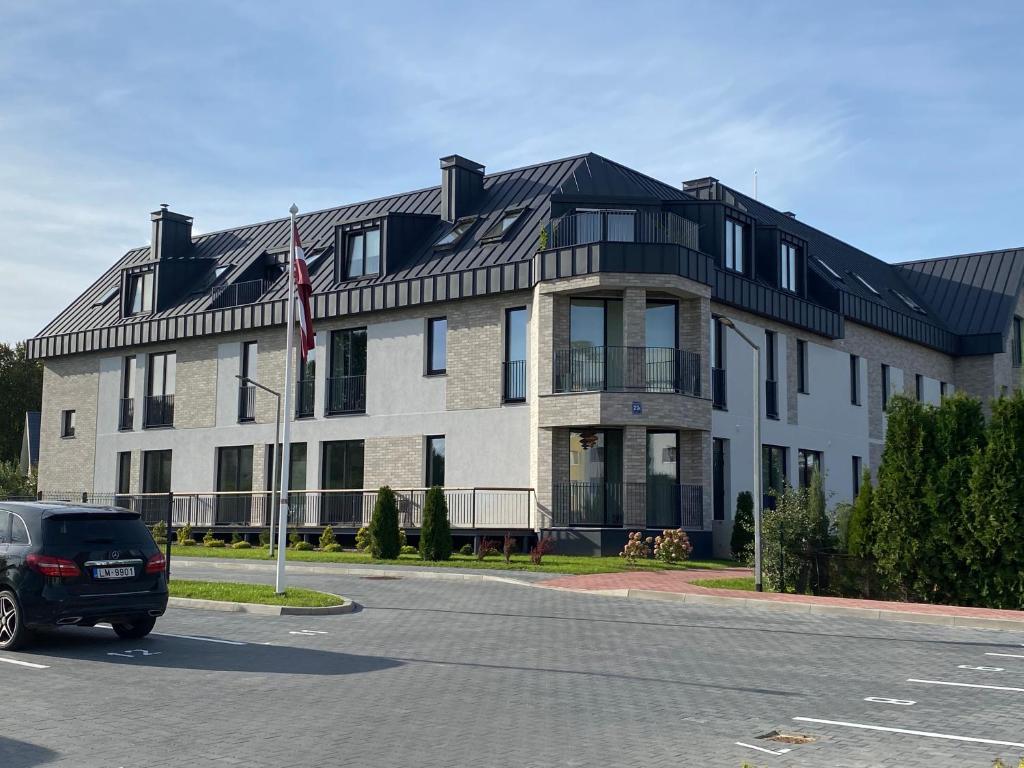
(396, 461)
(634, 473)
(69, 383)
(195, 388)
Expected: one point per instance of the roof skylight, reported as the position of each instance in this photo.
(106, 298)
(456, 233)
(500, 228)
(908, 301)
(829, 269)
(866, 284)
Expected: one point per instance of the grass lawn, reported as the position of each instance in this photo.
(567, 564)
(250, 593)
(744, 583)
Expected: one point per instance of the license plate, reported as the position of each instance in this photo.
(122, 572)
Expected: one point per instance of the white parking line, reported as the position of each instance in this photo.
(980, 669)
(965, 685)
(929, 734)
(21, 663)
(196, 637)
(1007, 655)
(782, 751)
(884, 700)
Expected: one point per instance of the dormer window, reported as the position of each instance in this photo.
(865, 283)
(911, 304)
(452, 237)
(140, 293)
(501, 227)
(787, 266)
(829, 269)
(733, 257)
(363, 252)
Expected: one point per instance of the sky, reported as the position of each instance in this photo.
(895, 126)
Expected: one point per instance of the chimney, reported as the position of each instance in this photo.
(462, 186)
(172, 234)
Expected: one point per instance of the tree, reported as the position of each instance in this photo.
(997, 506)
(859, 528)
(384, 541)
(743, 526)
(21, 390)
(436, 534)
(13, 484)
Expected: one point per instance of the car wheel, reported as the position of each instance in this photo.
(13, 634)
(136, 629)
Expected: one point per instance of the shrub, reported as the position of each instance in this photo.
(384, 540)
(859, 534)
(185, 534)
(212, 542)
(189, 543)
(742, 541)
(332, 548)
(241, 545)
(673, 546)
(402, 540)
(508, 547)
(161, 542)
(436, 534)
(408, 550)
(466, 549)
(302, 546)
(327, 538)
(545, 546)
(294, 537)
(265, 538)
(160, 531)
(363, 539)
(236, 537)
(209, 537)
(485, 548)
(794, 533)
(637, 548)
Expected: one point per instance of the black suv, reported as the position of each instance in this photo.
(64, 564)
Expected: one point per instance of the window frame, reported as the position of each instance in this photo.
(788, 261)
(159, 454)
(430, 344)
(1017, 341)
(466, 222)
(428, 443)
(857, 467)
(886, 386)
(348, 237)
(865, 283)
(803, 472)
(141, 284)
(495, 233)
(729, 252)
(67, 424)
(855, 398)
(801, 367)
(919, 387)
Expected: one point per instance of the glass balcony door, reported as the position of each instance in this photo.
(594, 494)
(595, 361)
(663, 500)
(661, 326)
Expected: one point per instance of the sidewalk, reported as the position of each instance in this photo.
(676, 585)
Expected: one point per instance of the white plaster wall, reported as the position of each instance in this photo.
(394, 370)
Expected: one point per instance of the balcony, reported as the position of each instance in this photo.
(236, 294)
(513, 388)
(126, 415)
(346, 394)
(246, 403)
(661, 227)
(159, 411)
(718, 389)
(305, 395)
(771, 399)
(626, 369)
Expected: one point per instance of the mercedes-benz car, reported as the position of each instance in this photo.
(66, 564)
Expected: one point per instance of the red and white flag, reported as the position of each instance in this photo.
(304, 294)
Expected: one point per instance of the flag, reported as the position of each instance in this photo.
(304, 294)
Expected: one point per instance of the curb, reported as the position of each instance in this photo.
(347, 606)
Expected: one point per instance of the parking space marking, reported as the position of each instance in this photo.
(197, 637)
(909, 732)
(308, 632)
(1007, 655)
(782, 751)
(135, 653)
(980, 669)
(884, 700)
(966, 685)
(20, 663)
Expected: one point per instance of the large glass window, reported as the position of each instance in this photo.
(161, 374)
(437, 345)
(515, 354)
(734, 245)
(663, 499)
(596, 359)
(773, 472)
(346, 385)
(595, 494)
(787, 267)
(343, 464)
(363, 253)
(140, 293)
(662, 359)
(810, 462)
(156, 472)
(435, 460)
(234, 482)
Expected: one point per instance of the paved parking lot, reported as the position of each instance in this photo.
(441, 673)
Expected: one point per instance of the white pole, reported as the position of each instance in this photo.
(286, 441)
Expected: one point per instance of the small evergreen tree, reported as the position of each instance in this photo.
(859, 533)
(384, 542)
(436, 535)
(327, 537)
(743, 527)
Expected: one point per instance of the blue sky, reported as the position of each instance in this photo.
(895, 126)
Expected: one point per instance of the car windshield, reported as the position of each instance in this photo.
(96, 529)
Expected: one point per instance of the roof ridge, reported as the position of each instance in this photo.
(957, 256)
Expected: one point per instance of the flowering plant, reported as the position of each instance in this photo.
(637, 548)
(672, 546)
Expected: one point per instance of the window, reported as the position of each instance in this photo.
(234, 484)
(343, 464)
(156, 472)
(19, 533)
(942, 390)
(664, 369)
(363, 252)
(305, 389)
(107, 297)
(810, 462)
(515, 355)
(885, 387)
(297, 460)
(67, 423)
(771, 386)
(437, 345)
(501, 227)
(911, 304)
(854, 380)
(1017, 341)
(773, 472)
(124, 478)
(787, 266)
(857, 472)
(829, 269)
(5, 525)
(919, 387)
(160, 390)
(719, 451)
(801, 366)
(140, 293)
(718, 377)
(435, 460)
(456, 233)
(246, 391)
(865, 283)
(734, 245)
(346, 383)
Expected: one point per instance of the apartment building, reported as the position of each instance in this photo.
(558, 345)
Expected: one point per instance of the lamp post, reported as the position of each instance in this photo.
(277, 453)
(728, 323)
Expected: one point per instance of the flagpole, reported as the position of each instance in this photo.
(286, 447)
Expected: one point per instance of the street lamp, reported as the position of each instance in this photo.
(277, 454)
(728, 323)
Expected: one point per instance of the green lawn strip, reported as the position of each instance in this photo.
(744, 583)
(250, 593)
(567, 564)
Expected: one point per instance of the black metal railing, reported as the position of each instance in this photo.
(674, 505)
(159, 411)
(126, 414)
(771, 399)
(718, 389)
(602, 505)
(248, 292)
(305, 395)
(246, 402)
(627, 369)
(346, 394)
(513, 381)
(620, 227)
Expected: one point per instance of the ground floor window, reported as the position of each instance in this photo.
(234, 484)
(156, 472)
(435, 460)
(718, 457)
(810, 462)
(773, 472)
(663, 491)
(342, 472)
(594, 494)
